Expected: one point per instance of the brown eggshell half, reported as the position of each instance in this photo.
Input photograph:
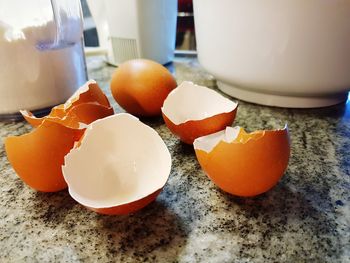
(120, 166)
(191, 111)
(247, 164)
(37, 157)
(190, 130)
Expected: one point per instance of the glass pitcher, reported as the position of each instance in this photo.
(41, 54)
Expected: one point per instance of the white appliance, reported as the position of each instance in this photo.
(290, 53)
(130, 29)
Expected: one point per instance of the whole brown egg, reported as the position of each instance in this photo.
(140, 86)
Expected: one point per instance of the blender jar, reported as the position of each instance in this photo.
(41, 52)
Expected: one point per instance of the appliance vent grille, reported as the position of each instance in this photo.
(124, 49)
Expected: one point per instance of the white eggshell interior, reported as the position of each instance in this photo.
(208, 143)
(26, 113)
(193, 102)
(120, 160)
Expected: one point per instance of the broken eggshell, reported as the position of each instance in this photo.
(120, 166)
(244, 164)
(90, 94)
(77, 117)
(37, 156)
(191, 111)
(86, 113)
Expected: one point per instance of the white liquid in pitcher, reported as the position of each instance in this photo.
(32, 79)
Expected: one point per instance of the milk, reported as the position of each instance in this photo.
(32, 79)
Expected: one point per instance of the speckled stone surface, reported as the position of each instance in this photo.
(305, 218)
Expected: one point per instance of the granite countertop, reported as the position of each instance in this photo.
(305, 218)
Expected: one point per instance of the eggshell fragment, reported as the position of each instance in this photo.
(120, 166)
(244, 164)
(76, 117)
(191, 111)
(37, 157)
(32, 120)
(89, 93)
(85, 113)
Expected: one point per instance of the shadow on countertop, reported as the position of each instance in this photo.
(285, 224)
(153, 233)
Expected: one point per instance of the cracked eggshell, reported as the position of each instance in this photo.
(90, 94)
(86, 113)
(77, 117)
(191, 111)
(37, 156)
(120, 166)
(244, 164)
